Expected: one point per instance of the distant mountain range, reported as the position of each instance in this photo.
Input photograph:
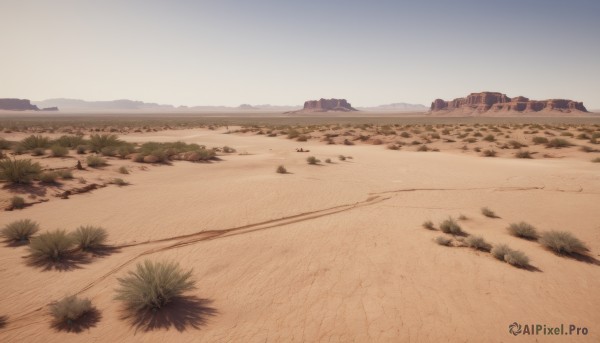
(70, 105)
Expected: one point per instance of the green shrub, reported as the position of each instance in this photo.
(95, 161)
(500, 250)
(153, 285)
(17, 202)
(516, 258)
(477, 242)
(59, 151)
(442, 240)
(562, 242)
(89, 237)
(450, 226)
(20, 230)
(35, 141)
(281, 170)
(312, 160)
(19, 171)
(558, 143)
(98, 142)
(70, 141)
(48, 177)
(488, 213)
(69, 309)
(53, 246)
(428, 225)
(540, 140)
(523, 230)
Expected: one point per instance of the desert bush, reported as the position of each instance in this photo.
(98, 142)
(586, 148)
(462, 217)
(562, 242)
(18, 149)
(281, 170)
(58, 151)
(489, 153)
(428, 225)
(442, 240)
(125, 149)
(153, 285)
(516, 145)
(119, 182)
(95, 161)
(312, 160)
(596, 160)
(69, 309)
(347, 142)
(17, 202)
(523, 154)
(523, 230)
(109, 151)
(488, 213)
(489, 138)
(81, 149)
(342, 158)
(35, 141)
(89, 237)
(19, 171)
(53, 245)
(123, 170)
(423, 148)
(20, 230)
(70, 141)
(4, 144)
(516, 258)
(450, 226)
(500, 250)
(64, 174)
(558, 143)
(328, 160)
(477, 242)
(48, 177)
(228, 150)
(539, 140)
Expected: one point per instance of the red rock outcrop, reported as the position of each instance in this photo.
(17, 105)
(485, 102)
(324, 105)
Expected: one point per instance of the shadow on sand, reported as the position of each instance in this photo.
(88, 320)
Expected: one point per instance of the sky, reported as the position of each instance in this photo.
(285, 52)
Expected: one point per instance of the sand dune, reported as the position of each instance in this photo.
(333, 252)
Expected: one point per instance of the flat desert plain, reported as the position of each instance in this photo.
(332, 252)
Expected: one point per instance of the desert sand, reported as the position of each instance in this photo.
(333, 252)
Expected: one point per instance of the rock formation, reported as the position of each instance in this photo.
(17, 105)
(324, 105)
(493, 102)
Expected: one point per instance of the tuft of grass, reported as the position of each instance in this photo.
(428, 225)
(523, 230)
(52, 246)
(70, 309)
(489, 153)
(38, 152)
(228, 150)
(98, 142)
(123, 170)
(153, 285)
(89, 237)
(477, 242)
(558, 143)
(35, 141)
(500, 250)
(58, 151)
(19, 171)
(312, 160)
(20, 230)
(17, 202)
(423, 148)
(516, 258)
(450, 226)
(119, 182)
(442, 240)
(65, 174)
(81, 149)
(48, 177)
(540, 140)
(488, 213)
(563, 242)
(523, 154)
(281, 170)
(95, 161)
(342, 158)
(489, 138)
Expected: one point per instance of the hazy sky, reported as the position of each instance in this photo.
(284, 52)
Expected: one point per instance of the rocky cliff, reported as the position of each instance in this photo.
(494, 102)
(324, 105)
(17, 105)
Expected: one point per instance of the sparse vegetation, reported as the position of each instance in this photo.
(428, 225)
(100, 141)
(312, 160)
(95, 161)
(58, 151)
(20, 230)
(500, 250)
(35, 141)
(119, 182)
(48, 177)
(443, 240)
(19, 171)
(562, 242)
(523, 230)
(69, 309)
(281, 170)
(64, 174)
(558, 143)
(123, 170)
(488, 213)
(17, 202)
(489, 153)
(523, 154)
(478, 243)
(52, 246)
(153, 285)
(342, 157)
(451, 226)
(516, 258)
(540, 140)
(89, 237)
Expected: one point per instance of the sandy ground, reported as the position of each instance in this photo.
(334, 252)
